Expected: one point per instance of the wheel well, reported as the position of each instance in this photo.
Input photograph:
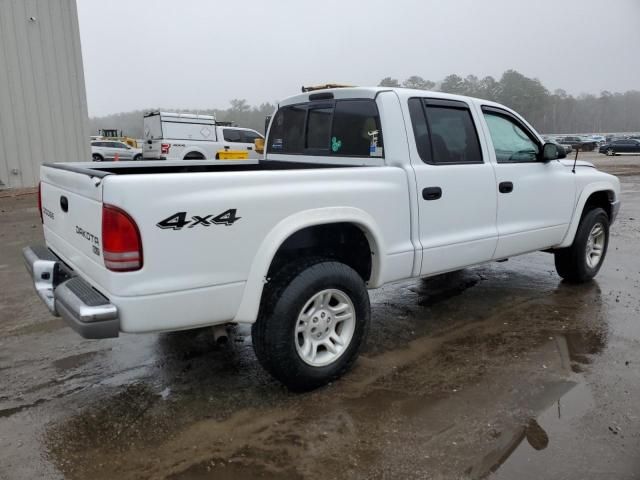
(601, 199)
(194, 156)
(344, 242)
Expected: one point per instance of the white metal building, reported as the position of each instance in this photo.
(43, 104)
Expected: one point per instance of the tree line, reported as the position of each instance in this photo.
(549, 112)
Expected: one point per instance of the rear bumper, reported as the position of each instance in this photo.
(68, 296)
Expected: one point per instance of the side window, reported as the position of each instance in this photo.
(444, 132)
(287, 129)
(453, 135)
(318, 128)
(511, 142)
(356, 129)
(420, 129)
(231, 135)
(249, 136)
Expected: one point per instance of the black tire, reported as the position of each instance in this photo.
(137, 158)
(285, 296)
(97, 157)
(194, 156)
(571, 262)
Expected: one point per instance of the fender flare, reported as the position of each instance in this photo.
(250, 303)
(577, 213)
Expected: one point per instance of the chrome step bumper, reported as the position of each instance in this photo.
(68, 296)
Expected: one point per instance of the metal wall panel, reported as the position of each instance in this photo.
(43, 106)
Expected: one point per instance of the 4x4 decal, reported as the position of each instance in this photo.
(179, 220)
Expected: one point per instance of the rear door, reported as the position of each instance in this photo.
(456, 185)
(124, 151)
(535, 198)
(152, 132)
(248, 138)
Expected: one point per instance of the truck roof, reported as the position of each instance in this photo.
(371, 92)
(192, 116)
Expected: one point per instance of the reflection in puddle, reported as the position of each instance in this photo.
(559, 405)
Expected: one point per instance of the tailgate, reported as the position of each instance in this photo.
(72, 216)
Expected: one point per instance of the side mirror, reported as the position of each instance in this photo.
(551, 151)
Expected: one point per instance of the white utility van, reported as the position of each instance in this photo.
(187, 136)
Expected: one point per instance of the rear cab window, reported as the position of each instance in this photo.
(335, 128)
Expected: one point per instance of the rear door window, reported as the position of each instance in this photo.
(250, 136)
(231, 135)
(444, 132)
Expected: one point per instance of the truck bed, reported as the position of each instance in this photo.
(102, 169)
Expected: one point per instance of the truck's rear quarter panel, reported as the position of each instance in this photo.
(200, 260)
(195, 275)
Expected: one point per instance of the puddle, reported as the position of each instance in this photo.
(527, 453)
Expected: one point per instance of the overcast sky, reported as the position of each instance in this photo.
(201, 53)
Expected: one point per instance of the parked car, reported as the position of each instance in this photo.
(359, 187)
(617, 147)
(584, 144)
(599, 139)
(186, 136)
(566, 148)
(107, 150)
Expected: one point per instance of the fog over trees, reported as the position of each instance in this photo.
(549, 112)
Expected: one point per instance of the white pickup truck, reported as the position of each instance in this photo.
(359, 187)
(187, 136)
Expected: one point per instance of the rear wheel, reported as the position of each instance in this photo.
(194, 156)
(137, 158)
(582, 260)
(97, 157)
(313, 320)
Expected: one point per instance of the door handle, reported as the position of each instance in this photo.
(505, 187)
(431, 193)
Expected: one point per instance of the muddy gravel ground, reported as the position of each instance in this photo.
(500, 371)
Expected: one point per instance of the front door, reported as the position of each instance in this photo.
(535, 198)
(456, 186)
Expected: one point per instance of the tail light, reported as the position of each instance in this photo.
(40, 201)
(164, 148)
(121, 243)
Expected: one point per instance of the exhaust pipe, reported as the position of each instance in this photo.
(220, 334)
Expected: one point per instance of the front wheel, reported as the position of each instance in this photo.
(610, 152)
(582, 260)
(96, 157)
(313, 320)
(137, 158)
